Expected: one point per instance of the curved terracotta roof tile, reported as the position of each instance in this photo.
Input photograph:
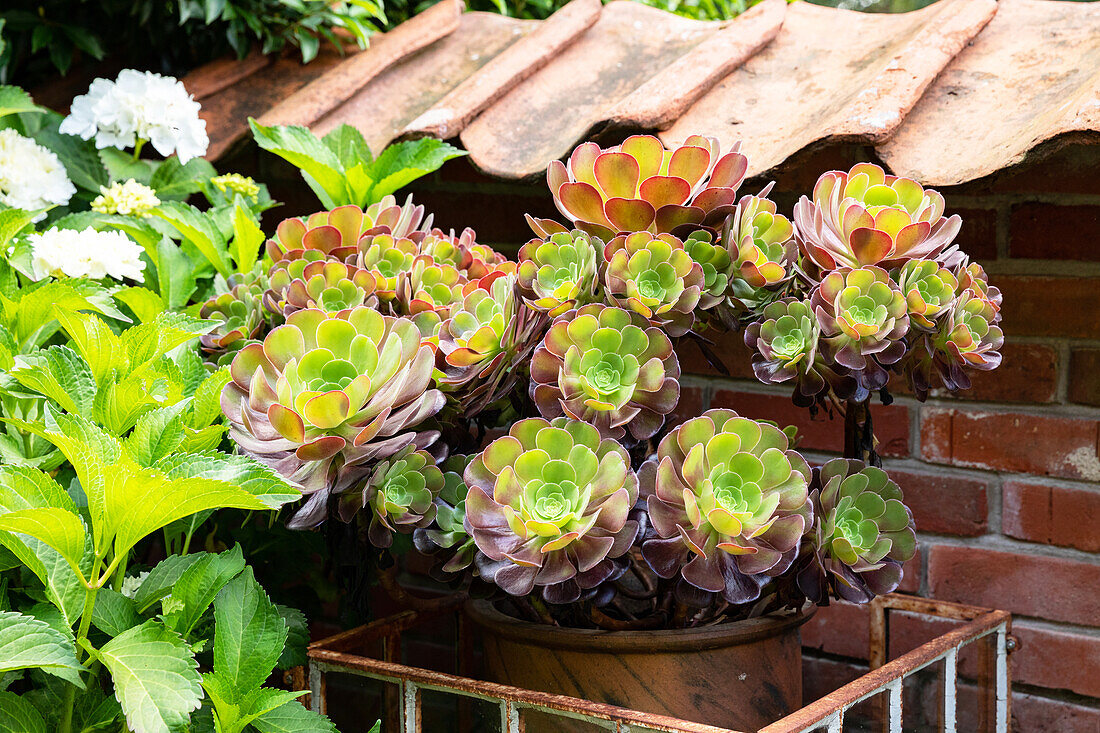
(450, 115)
(1032, 75)
(383, 107)
(546, 115)
(832, 75)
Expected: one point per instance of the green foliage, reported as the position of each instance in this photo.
(41, 36)
(340, 168)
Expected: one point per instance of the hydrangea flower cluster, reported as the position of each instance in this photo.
(87, 253)
(31, 176)
(139, 107)
(128, 198)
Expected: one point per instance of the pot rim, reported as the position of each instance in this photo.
(485, 614)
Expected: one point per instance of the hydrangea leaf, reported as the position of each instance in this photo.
(28, 643)
(155, 675)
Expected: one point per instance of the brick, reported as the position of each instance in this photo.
(728, 347)
(1056, 515)
(1049, 306)
(1028, 373)
(978, 236)
(840, 629)
(1054, 659)
(1035, 444)
(1069, 169)
(945, 504)
(821, 433)
(1052, 232)
(1047, 587)
(1031, 713)
(1084, 376)
(911, 575)
(689, 406)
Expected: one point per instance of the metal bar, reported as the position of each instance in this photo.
(836, 722)
(569, 706)
(316, 689)
(1003, 693)
(873, 682)
(510, 719)
(950, 682)
(895, 715)
(411, 704)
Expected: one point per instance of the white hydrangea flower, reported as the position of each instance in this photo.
(88, 253)
(139, 105)
(131, 583)
(126, 199)
(31, 176)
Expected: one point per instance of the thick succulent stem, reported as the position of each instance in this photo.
(859, 435)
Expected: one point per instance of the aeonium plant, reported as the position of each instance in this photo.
(542, 453)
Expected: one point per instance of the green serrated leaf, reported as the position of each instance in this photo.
(27, 643)
(60, 374)
(206, 406)
(175, 274)
(199, 585)
(80, 158)
(14, 100)
(143, 302)
(402, 163)
(197, 229)
(19, 716)
(297, 638)
(156, 434)
(247, 238)
(249, 634)
(12, 221)
(252, 476)
(158, 583)
(293, 717)
(319, 165)
(349, 145)
(114, 612)
(59, 528)
(156, 677)
(175, 180)
(121, 166)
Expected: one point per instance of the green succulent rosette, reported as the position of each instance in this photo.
(784, 342)
(388, 258)
(336, 233)
(448, 535)
(559, 273)
(607, 367)
(323, 284)
(429, 286)
(862, 534)
(864, 318)
(715, 263)
(323, 395)
(400, 493)
(448, 249)
(487, 334)
(239, 314)
(866, 217)
(642, 186)
(728, 501)
(929, 291)
(548, 508)
(655, 277)
(761, 245)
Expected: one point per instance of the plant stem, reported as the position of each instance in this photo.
(137, 148)
(856, 415)
(82, 634)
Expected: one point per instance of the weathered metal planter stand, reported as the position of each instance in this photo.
(988, 631)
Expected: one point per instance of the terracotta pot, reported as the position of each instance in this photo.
(740, 675)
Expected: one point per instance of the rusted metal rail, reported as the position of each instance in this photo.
(989, 630)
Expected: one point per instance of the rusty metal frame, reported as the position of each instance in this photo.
(406, 683)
